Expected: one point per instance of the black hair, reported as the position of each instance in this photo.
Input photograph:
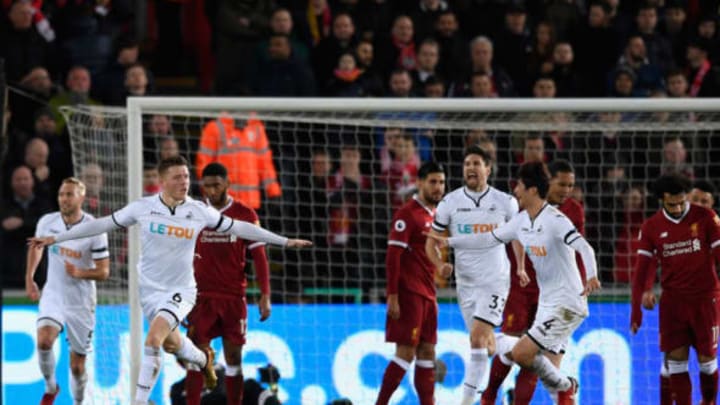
(215, 169)
(705, 186)
(535, 174)
(672, 184)
(560, 166)
(172, 161)
(428, 168)
(476, 150)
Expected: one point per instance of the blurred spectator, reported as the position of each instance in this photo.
(36, 159)
(627, 241)
(19, 213)
(659, 50)
(703, 193)
(109, 86)
(434, 87)
(533, 149)
(77, 92)
(675, 158)
(427, 62)
(620, 21)
(240, 25)
(346, 79)
(567, 80)
(512, 46)
(481, 86)
(21, 45)
(648, 76)
(96, 200)
(370, 78)
(424, 16)
(453, 46)
(312, 196)
(246, 153)
(397, 51)
(704, 78)
(623, 83)
(318, 21)
(596, 49)
(564, 15)
(281, 22)
(373, 17)
(400, 84)
(707, 29)
(151, 180)
(168, 148)
(136, 83)
(481, 60)
(282, 75)
(401, 174)
(39, 88)
(327, 52)
(544, 87)
(677, 85)
(675, 29)
(540, 57)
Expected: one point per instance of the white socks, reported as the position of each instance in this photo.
(551, 377)
(188, 351)
(77, 386)
(47, 368)
(478, 365)
(149, 372)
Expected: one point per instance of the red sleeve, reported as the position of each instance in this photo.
(643, 272)
(713, 230)
(398, 242)
(262, 268)
(580, 220)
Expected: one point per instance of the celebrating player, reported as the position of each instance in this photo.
(550, 239)
(522, 302)
(683, 239)
(221, 309)
(68, 298)
(482, 275)
(170, 224)
(411, 301)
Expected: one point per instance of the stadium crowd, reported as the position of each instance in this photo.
(85, 52)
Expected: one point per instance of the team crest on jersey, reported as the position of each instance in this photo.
(694, 229)
(400, 225)
(189, 215)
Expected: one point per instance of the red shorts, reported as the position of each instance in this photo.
(520, 309)
(417, 322)
(214, 316)
(689, 321)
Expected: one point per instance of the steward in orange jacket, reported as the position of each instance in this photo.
(246, 154)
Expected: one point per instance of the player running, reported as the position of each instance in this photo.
(170, 223)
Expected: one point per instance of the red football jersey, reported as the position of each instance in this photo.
(576, 214)
(407, 266)
(683, 249)
(220, 258)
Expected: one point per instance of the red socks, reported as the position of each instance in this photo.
(525, 387)
(193, 387)
(394, 374)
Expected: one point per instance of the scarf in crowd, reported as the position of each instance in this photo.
(407, 59)
(316, 31)
(348, 75)
(699, 77)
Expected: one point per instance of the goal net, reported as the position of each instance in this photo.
(334, 171)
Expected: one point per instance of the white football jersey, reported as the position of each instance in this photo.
(80, 252)
(548, 241)
(462, 213)
(167, 238)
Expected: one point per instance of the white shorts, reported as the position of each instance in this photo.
(553, 327)
(485, 303)
(177, 303)
(78, 322)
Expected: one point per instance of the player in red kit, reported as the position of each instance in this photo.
(411, 300)
(522, 302)
(683, 239)
(221, 309)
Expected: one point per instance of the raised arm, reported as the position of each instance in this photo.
(84, 230)
(248, 231)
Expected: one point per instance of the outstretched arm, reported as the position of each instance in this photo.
(248, 231)
(84, 230)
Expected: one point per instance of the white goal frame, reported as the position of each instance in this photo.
(137, 106)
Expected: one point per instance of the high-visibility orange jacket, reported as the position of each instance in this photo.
(245, 153)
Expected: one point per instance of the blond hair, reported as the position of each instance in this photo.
(77, 182)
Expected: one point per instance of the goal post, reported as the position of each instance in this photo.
(596, 135)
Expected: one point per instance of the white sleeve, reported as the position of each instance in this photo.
(128, 214)
(248, 231)
(213, 217)
(499, 236)
(442, 216)
(40, 230)
(87, 229)
(513, 208)
(587, 253)
(99, 248)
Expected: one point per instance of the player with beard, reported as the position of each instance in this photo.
(683, 239)
(411, 298)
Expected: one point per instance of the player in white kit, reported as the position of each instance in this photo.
(550, 239)
(170, 223)
(68, 298)
(482, 275)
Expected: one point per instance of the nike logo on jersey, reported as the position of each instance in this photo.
(156, 213)
(61, 251)
(475, 228)
(169, 230)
